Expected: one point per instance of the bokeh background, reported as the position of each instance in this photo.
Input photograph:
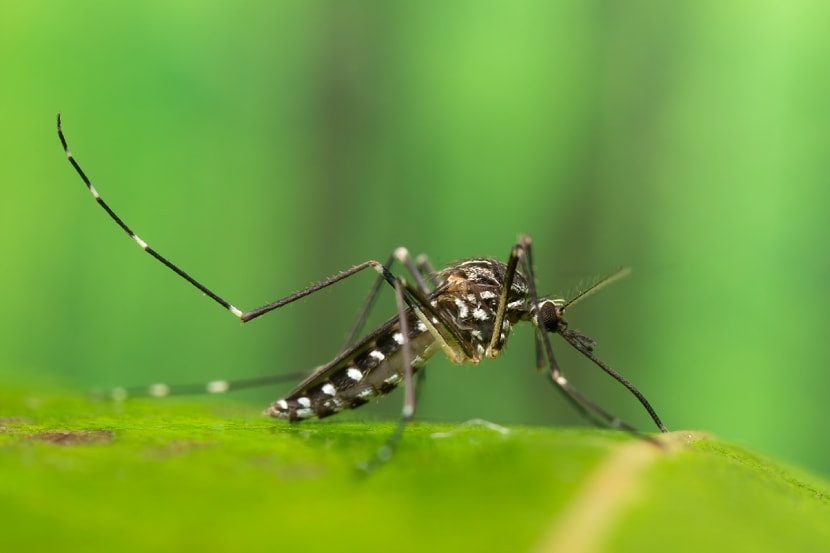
(265, 145)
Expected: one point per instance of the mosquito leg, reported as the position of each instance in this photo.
(212, 387)
(577, 341)
(410, 393)
(588, 408)
(384, 272)
(402, 255)
(366, 307)
(594, 412)
(518, 252)
(133, 235)
(426, 269)
(409, 401)
(540, 353)
(243, 316)
(385, 452)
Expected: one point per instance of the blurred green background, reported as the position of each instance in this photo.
(263, 146)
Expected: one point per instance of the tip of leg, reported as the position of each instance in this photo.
(371, 465)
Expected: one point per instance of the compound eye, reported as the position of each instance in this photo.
(549, 315)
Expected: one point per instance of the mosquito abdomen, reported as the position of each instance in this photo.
(375, 369)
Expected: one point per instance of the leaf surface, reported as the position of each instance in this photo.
(179, 475)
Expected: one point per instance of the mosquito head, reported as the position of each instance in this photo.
(547, 314)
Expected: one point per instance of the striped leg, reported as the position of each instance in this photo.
(244, 316)
(212, 387)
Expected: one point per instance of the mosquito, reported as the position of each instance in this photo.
(465, 310)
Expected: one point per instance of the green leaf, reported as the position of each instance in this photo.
(177, 475)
